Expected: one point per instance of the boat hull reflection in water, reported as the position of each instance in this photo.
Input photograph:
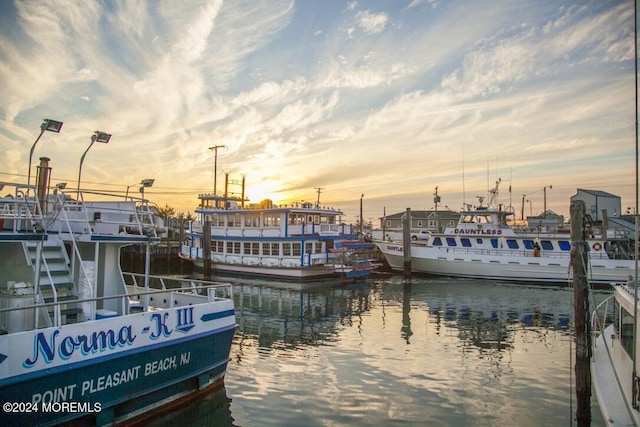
(438, 352)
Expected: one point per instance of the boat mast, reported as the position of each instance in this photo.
(634, 374)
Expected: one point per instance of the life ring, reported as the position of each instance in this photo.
(597, 246)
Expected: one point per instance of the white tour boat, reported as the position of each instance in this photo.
(293, 242)
(81, 341)
(483, 245)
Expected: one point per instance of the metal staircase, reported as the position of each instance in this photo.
(56, 284)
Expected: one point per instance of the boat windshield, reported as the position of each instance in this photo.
(477, 219)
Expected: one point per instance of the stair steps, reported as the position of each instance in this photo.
(56, 281)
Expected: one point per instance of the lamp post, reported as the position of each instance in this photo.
(148, 182)
(145, 183)
(530, 207)
(47, 125)
(215, 166)
(96, 137)
(545, 198)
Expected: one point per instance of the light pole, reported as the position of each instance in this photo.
(215, 167)
(530, 208)
(96, 137)
(47, 125)
(146, 183)
(545, 199)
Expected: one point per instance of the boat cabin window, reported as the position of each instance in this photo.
(465, 242)
(286, 249)
(479, 241)
(271, 221)
(485, 219)
(451, 241)
(547, 245)
(513, 244)
(626, 331)
(436, 241)
(252, 221)
(233, 221)
(564, 245)
(528, 243)
(296, 218)
(327, 219)
(251, 248)
(271, 249)
(296, 249)
(494, 243)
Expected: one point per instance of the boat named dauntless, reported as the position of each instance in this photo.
(483, 245)
(301, 241)
(81, 341)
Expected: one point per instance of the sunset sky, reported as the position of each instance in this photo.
(386, 99)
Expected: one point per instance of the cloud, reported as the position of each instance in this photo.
(371, 23)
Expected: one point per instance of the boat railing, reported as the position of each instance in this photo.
(504, 252)
(103, 217)
(19, 212)
(602, 316)
(182, 292)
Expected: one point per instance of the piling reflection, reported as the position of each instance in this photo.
(434, 351)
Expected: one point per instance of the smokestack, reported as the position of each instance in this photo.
(43, 177)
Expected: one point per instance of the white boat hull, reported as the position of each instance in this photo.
(497, 266)
(283, 273)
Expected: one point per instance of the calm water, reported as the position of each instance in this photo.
(436, 352)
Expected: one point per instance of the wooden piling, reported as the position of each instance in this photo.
(579, 254)
(406, 242)
(206, 249)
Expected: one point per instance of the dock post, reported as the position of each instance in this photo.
(206, 249)
(579, 251)
(406, 242)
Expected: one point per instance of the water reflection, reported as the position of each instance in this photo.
(384, 352)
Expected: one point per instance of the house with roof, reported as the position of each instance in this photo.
(421, 220)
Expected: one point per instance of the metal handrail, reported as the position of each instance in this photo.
(210, 288)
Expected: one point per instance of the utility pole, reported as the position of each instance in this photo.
(215, 167)
(319, 191)
(545, 199)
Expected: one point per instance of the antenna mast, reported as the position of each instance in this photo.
(319, 191)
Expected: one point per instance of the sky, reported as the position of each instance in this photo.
(373, 101)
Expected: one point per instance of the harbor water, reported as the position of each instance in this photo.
(392, 352)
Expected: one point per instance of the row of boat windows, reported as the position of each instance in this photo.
(266, 220)
(266, 249)
(467, 242)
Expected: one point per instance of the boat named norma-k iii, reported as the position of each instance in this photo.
(80, 339)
